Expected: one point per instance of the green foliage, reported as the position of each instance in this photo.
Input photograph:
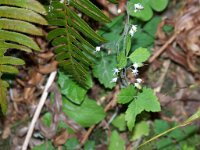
(17, 24)
(140, 55)
(149, 5)
(72, 144)
(146, 100)
(74, 52)
(86, 114)
(141, 129)
(119, 122)
(116, 142)
(72, 90)
(89, 145)
(103, 70)
(47, 145)
(126, 95)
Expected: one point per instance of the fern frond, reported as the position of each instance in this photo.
(16, 27)
(70, 38)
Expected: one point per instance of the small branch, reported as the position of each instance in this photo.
(38, 110)
(161, 50)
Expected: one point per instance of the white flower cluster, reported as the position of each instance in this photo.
(115, 72)
(133, 30)
(98, 49)
(138, 7)
(135, 73)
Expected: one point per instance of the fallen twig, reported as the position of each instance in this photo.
(38, 110)
(161, 50)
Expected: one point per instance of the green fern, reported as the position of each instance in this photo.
(16, 21)
(74, 52)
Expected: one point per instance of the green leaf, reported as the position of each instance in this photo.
(141, 129)
(20, 26)
(21, 14)
(18, 38)
(86, 114)
(3, 92)
(103, 70)
(122, 60)
(70, 89)
(140, 55)
(71, 144)
(146, 100)
(158, 5)
(11, 61)
(151, 26)
(8, 69)
(116, 142)
(28, 4)
(145, 14)
(119, 122)
(160, 126)
(89, 145)
(47, 145)
(47, 119)
(127, 94)
(128, 44)
(90, 9)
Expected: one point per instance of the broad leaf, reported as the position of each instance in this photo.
(158, 5)
(146, 100)
(70, 89)
(119, 122)
(103, 70)
(122, 60)
(141, 129)
(140, 55)
(116, 142)
(86, 114)
(126, 95)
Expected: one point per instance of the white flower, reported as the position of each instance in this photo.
(119, 11)
(62, 1)
(135, 72)
(116, 71)
(139, 80)
(114, 80)
(135, 65)
(137, 85)
(98, 48)
(133, 30)
(138, 7)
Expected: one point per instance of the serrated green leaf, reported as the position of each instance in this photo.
(11, 61)
(21, 14)
(70, 89)
(18, 38)
(158, 5)
(86, 114)
(119, 122)
(141, 129)
(3, 92)
(28, 4)
(116, 142)
(145, 14)
(126, 95)
(122, 60)
(103, 70)
(140, 55)
(146, 100)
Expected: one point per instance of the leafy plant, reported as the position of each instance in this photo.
(17, 19)
(74, 52)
